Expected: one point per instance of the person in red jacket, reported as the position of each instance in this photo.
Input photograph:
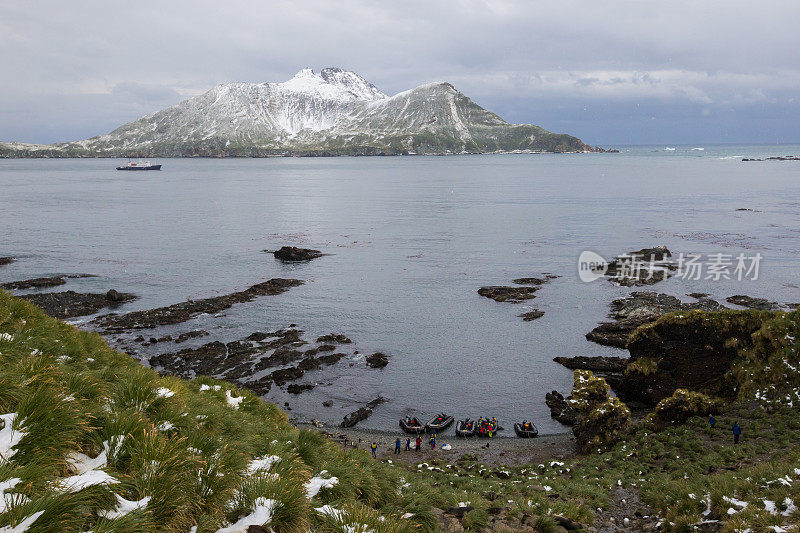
(419, 442)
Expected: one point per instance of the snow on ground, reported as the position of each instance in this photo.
(124, 507)
(262, 463)
(317, 483)
(24, 525)
(9, 437)
(87, 479)
(262, 514)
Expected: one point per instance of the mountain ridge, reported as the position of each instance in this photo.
(334, 112)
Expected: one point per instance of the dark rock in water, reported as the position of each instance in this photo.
(294, 388)
(35, 283)
(530, 281)
(698, 295)
(327, 403)
(641, 307)
(183, 337)
(294, 254)
(532, 315)
(6, 260)
(692, 351)
(70, 304)
(377, 360)
(333, 338)
(361, 413)
(181, 312)
(560, 409)
(642, 267)
(508, 294)
(114, 296)
(595, 364)
(760, 304)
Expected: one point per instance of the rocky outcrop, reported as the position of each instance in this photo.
(642, 267)
(640, 308)
(6, 260)
(181, 312)
(42, 283)
(595, 364)
(70, 304)
(560, 409)
(508, 294)
(692, 350)
(681, 406)
(292, 254)
(600, 419)
(377, 360)
(749, 302)
(362, 413)
(531, 315)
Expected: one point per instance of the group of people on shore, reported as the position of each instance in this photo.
(398, 445)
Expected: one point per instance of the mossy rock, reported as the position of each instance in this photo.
(682, 405)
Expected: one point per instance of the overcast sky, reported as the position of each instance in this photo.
(611, 72)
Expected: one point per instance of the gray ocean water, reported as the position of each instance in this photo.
(411, 239)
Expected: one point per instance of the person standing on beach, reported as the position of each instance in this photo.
(737, 431)
(374, 448)
(419, 442)
(432, 441)
(408, 444)
(397, 445)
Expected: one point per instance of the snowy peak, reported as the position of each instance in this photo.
(332, 83)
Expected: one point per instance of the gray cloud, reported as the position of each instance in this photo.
(72, 70)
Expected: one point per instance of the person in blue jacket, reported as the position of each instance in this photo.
(712, 421)
(737, 431)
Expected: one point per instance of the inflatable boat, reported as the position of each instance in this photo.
(526, 430)
(438, 423)
(466, 428)
(411, 424)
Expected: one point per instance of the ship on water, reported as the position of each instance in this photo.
(139, 165)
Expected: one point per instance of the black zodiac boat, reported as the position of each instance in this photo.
(411, 424)
(526, 430)
(466, 428)
(438, 423)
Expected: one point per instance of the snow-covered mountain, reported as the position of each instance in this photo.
(335, 112)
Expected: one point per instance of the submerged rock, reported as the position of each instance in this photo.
(595, 364)
(508, 294)
(333, 338)
(70, 304)
(7, 260)
(181, 312)
(362, 413)
(294, 254)
(35, 283)
(760, 304)
(531, 315)
(377, 360)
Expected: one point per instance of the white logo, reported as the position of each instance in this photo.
(591, 266)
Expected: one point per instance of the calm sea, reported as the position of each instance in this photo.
(411, 240)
